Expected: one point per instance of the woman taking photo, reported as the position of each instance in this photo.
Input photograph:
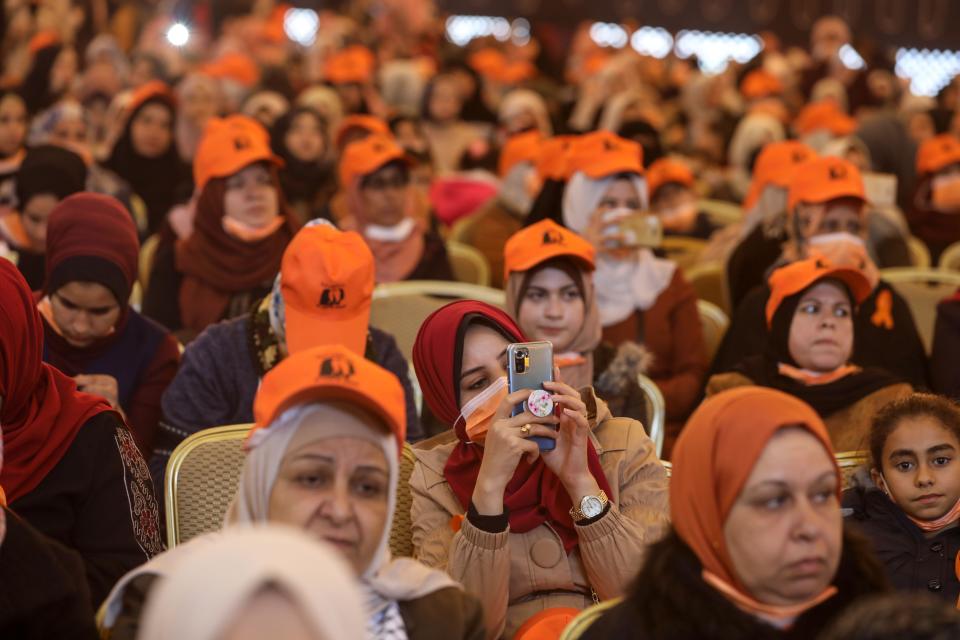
(809, 344)
(551, 296)
(323, 457)
(757, 547)
(240, 231)
(524, 531)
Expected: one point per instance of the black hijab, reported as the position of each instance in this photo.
(826, 399)
(155, 180)
(35, 89)
(301, 181)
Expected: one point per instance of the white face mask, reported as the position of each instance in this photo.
(394, 233)
(836, 238)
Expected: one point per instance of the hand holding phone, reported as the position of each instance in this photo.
(529, 365)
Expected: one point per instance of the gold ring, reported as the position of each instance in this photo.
(525, 430)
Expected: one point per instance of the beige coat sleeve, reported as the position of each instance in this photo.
(614, 547)
(478, 560)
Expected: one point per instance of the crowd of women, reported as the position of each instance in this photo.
(193, 235)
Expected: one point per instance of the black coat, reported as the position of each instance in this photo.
(912, 561)
(944, 372)
(670, 601)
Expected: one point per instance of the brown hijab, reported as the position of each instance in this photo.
(217, 265)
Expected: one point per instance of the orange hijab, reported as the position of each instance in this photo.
(713, 458)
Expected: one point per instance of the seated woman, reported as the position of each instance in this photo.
(826, 212)
(324, 458)
(809, 343)
(71, 467)
(274, 594)
(145, 154)
(758, 548)
(222, 368)
(674, 201)
(641, 298)
(524, 531)
(381, 206)
(936, 200)
(47, 175)
(90, 330)
(42, 589)
(240, 231)
(301, 138)
(550, 294)
(944, 374)
(910, 514)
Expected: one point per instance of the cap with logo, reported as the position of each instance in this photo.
(824, 115)
(363, 157)
(760, 83)
(155, 89)
(326, 280)
(798, 276)
(775, 165)
(553, 162)
(543, 241)
(370, 124)
(352, 65)
(238, 67)
(331, 372)
(522, 147)
(228, 145)
(825, 179)
(601, 153)
(666, 171)
(938, 152)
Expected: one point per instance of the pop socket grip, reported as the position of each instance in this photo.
(540, 403)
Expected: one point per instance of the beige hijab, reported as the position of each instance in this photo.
(203, 597)
(576, 359)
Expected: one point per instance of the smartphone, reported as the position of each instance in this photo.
(529, 365)
(634, 230)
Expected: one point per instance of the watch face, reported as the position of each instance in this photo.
(591, 507)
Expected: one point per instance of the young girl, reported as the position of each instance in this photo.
(911, 515)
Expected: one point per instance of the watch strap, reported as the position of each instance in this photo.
(577, 514)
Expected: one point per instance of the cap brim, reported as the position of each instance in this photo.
(529, 263)
(603, 168)
(304, 330)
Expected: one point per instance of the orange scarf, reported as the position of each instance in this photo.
(779, 615)
(811, 378)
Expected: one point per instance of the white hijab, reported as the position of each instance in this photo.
(385, 580)
(202, 598)
(622, 286)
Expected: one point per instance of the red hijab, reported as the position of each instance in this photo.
(535, 495)
(42, 410)
(216, 265)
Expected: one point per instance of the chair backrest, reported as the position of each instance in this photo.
(148, 251)
(923, 289)
(202, 477)
(849, 462)
(682, 250)
(919, 253)
(950, 258)
(204, 472)
(709, 280)
(714, 322)
(469, 265)
(578, 626)
(656, 411)
(399, 308)
(721, 213)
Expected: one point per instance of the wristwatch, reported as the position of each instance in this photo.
(590, 507)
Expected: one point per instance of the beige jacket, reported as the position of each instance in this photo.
(849, 427)
(517, 575)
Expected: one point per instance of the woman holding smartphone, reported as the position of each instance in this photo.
(536, 535)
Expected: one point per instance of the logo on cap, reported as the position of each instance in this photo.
(838, 172)
(799, 156)
(609, 146)
(552, 237)
(336, 367)
(241, 142)
(332, 297)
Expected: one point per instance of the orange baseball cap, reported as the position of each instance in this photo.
(43, 39)
(331, 372)
(776, 165)
(486, 61)
(553, 163)
(370, 124)
(363, 157)
(149, 90)
(760, 83)
(352, 65)
(937, 153)
(667, 170)
(238, 67)
(801, 275)
(523, 147)
(601, 153)
(542, 241)
(825, 114)
(824, 179)
(228, 145)
(326, 280)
